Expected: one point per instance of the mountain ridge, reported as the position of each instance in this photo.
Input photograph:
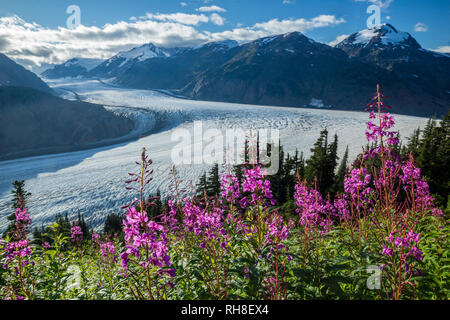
(293, 70)
(13, 74)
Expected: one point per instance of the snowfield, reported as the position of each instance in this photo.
(92, 181)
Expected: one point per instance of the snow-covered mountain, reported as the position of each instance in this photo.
(124, 60)
(218, 45)
(379, 38)
(422, 71)
(72, 68)
(293, 70)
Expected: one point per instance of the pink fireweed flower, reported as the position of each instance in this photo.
(22, 216)
(147, 235)
(387, 251)
(277, 230)
(356, 185)
(169, 219)
(96, 238)
(312, 209)
(46, 246)
(230, 188)
(342, 207)
(409, 241)
(386, 121)
(76, 234)
(108, 251)
(17, 249)
(255, 182)
(22, 223)
(411, 178)
(207, 224)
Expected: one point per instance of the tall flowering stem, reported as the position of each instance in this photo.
(18, 259)
(204, 225)
(385, 198)
(277, 233)
(142, 178)
(145, 262)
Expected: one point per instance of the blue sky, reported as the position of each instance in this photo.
(35, 32)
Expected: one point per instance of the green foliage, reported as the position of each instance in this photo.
(432, 154)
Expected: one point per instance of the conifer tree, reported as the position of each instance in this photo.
(202, 185)
(213, 181)
(338, 186)
(113, 224)
(20, 197)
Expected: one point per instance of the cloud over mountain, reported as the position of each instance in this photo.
(32, 44)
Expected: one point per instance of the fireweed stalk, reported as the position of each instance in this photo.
(18, 260)
(275, 281)
(146, 261)
(105, 254)
(204, 225)
(386, 198)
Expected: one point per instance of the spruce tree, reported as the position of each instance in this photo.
(213, 181)
(202, 185)
(113, 224)
(20, 197)
(338, 186)
(155, 209)
(330, 167)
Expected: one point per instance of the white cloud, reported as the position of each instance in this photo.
(442, 49)
(420, 27)
(217, 19)
(338, 39)
(288, 1)
(184, 18)
(276, 26)
(211, 9)
(302, 25)
(32, 44)
(183, 4)
(382, 4)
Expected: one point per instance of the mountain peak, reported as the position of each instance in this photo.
(380, 36)
(144, 52)
(86, 63)
(223, 43)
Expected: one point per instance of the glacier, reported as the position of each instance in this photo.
(92, 181)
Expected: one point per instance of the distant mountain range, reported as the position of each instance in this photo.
(289, 70)
(72, 68)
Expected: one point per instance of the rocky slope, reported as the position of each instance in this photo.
(13, 74)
